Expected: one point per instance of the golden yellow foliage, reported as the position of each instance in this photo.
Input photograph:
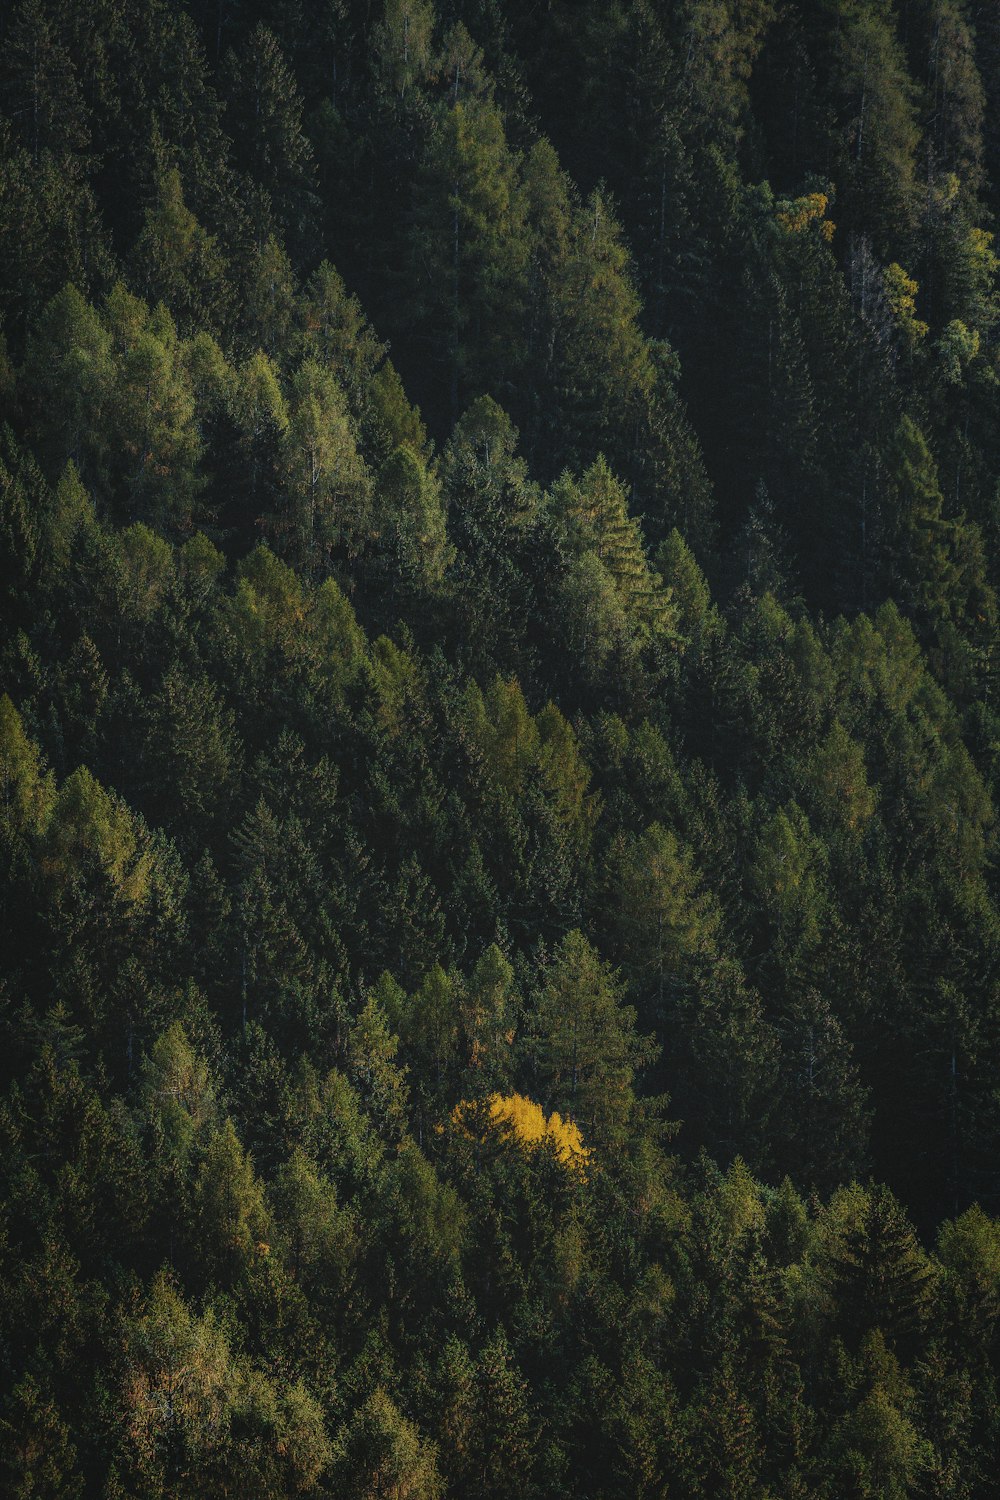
(521, 1119)
(901, 291)
(802, 212)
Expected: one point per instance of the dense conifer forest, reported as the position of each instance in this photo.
(499, 749)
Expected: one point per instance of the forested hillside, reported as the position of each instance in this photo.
(499, 749)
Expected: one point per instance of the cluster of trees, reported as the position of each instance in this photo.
(498, 851)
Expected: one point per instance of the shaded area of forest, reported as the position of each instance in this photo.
(499, 550)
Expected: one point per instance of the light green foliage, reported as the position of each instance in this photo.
(90, 827)
(270, 296)
(329, 487)
(269, 605)
(275, 613)
(26, 791)
(71, 517)
(900, 292)
(386, 1456)
(512, 747)
(876, 98)
(396, 422)
(199, 566)
(926, 538)
(69, 365)
(192, 1405)
(721, 43)
(260, 412)
(566, 776)
(504, 731)
(602, 362)
(141, 565)
(969, 1250)
(404, 45)
(613, 601)
(178, 263)
(688, 588)
(210, 374)
(394, 676)
(336, 333)
(232, 1214)
(152, 411)
(878, 1448)
(372, 1049)
(338, 642)
(956, 348)
(180, 1382)
(413, 515)
(119, 372)
(788, 873)
(178, 1091)
(837, 778)
(429, 1026)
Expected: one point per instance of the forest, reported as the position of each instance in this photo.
(499, 749)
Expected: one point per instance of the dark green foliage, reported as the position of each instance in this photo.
(498, 859)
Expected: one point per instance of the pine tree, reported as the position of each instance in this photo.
(879, 1273)
(467, 236)
(40, 90)
(328, 484)
(178, 263)
(583, 1045)
(265, 119)
(666, 923)
(386, 1455)
(232, 1215)
(822, 1099)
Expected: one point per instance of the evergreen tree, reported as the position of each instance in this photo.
(264, 117)
(584, 1046)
